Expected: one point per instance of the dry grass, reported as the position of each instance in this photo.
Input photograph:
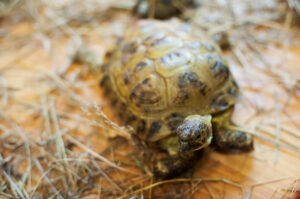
(56, 140)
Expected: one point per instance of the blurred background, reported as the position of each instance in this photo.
(59, 137)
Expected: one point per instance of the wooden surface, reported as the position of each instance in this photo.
(270, 105)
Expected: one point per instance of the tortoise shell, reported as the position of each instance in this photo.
(162, 70)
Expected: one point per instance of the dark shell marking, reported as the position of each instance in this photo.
(154, 128)
(141, 126)
(139, 66)
(159, 41)
(126, 77)
(184, 82)
(191, 78)
(220, 71)
(130, 47)
(144, 93)
(104, 83)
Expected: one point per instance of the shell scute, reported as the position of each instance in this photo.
(176, 61)
(161, 46)
(149, 94)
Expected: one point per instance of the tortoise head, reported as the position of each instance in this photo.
(195, 133)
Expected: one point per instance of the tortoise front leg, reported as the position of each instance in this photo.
(228, 136)
(176, 162)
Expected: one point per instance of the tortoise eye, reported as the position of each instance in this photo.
(196, 134)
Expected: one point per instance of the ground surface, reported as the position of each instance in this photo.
(56, 141)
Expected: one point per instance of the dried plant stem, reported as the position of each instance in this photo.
(185, 180)
(287, 25)
(63, 85)
(15, 189)
(283, 143)
(44, 174)
(39, 182)
(61, 152)
(4, 91)
(209, 190)
(285, 130)
(59, 141)
(108, 178)
(45, 114)
(96, 155)
(290, 187)
(277, 138)
(263, 183)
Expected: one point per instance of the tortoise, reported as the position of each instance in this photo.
(175, 89)
(162, 8)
